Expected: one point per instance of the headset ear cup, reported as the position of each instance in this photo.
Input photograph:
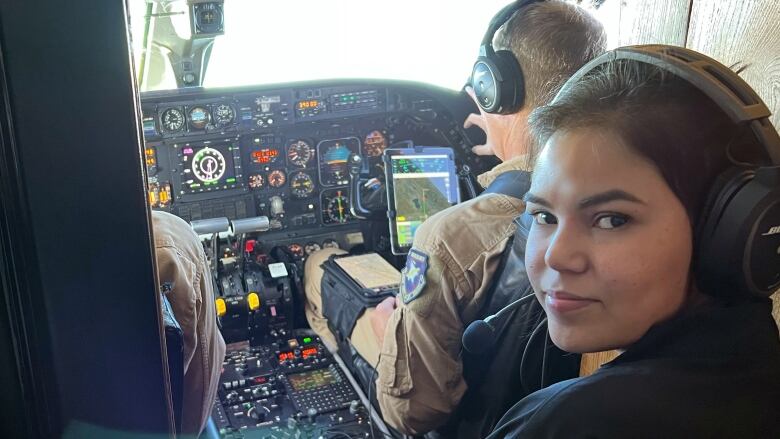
(733, 257)
(707, 265)
(512, 82)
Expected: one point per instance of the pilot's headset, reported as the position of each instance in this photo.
(497, 78)
(738, 237)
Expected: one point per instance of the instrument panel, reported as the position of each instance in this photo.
(283, 152)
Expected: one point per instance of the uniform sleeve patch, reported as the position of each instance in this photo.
(413, 275)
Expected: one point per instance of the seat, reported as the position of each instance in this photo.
(174, 344)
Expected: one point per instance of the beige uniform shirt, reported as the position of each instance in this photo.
(420, 374)
(182, 263)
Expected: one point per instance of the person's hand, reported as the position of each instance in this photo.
(497, 128)
(381, 316)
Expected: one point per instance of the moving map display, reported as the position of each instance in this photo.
(423, 185)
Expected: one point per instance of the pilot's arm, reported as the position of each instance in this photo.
(420, 377)
(182, 265)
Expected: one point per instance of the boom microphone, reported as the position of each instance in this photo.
(481, 335)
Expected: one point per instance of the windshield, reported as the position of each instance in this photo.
(431, 41)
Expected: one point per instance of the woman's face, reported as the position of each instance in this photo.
(609, 250)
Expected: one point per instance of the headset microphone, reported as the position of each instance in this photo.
(481, 335)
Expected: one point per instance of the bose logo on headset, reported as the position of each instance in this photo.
(773, 231)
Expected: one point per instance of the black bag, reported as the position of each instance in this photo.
(344, 300)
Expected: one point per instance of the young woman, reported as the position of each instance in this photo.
(630, 155)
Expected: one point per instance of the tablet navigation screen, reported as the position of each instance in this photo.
(423, 185)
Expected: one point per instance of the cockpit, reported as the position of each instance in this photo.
(277, 131)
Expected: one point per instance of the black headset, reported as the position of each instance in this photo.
(738, 237)
(497, 78)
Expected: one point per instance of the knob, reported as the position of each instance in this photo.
(258, 413)
(231, 397)
(353, 407)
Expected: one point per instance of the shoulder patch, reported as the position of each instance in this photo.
(413, 275)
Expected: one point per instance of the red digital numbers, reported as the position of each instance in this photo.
(266, 155)
(309, 352)
(284, 356)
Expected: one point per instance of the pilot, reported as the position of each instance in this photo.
(618, 258)
(186, 279)
(414, 341)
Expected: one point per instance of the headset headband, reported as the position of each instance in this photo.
(501, 18)
(727, 89)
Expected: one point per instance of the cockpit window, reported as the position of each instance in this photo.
(265, 42)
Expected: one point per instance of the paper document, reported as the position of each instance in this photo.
(370, 270)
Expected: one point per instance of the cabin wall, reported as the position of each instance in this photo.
(734, 32)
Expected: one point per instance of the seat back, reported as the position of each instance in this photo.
(174, 343)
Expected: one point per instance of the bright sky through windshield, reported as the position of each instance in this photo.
(433, 41)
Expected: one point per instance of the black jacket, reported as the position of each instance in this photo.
(711, 372)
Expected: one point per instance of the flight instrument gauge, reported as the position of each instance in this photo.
(208, 165)
(224, 115)
(256, 181)
(277, 178)
(172, 120)
(199, 117)
(374, 144)
(299, 153)
(301, 185)
(335, 207)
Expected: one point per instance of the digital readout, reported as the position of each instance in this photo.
(265, 155)
(305, 105)
(312, 380)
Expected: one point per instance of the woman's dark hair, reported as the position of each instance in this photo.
(661, 117)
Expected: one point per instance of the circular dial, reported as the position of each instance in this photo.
(208, 165)
(374, 144)
(224, 114)
(199, 117)
(336, 208)
(330, 243)
(209, 19)
(296, 249)
(256, 181)
(311, 248)
(172, 120)
(299, 153)
(301, 185)
(277, 178)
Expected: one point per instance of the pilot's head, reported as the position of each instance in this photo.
(550, 41)
(629, 156)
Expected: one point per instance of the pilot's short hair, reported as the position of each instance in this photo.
(551, 40)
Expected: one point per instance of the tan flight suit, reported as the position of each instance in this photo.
(419, 375)
(181, 263)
